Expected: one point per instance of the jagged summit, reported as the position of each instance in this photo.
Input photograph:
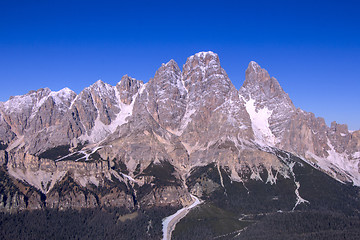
(168, 68)
(202, 60)
(203, 70)
(255, 75)
(127, 80)
(172, 62)
(100, 85)
(260, 86)
(204, 54)
(127, 88)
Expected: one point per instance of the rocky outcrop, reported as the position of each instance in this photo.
(16, 195)
(167, 196)
(128, 87)
(3, 157)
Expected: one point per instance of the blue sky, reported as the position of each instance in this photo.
(311, 47)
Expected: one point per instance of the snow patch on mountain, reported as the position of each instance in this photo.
(255, 66)
(204, 53)
(62, 95)
(336, 163)
(34, 100)
(88, 153)
(299, 199)
(291, 165)
(19, 103)
(260, 123)
(100, 130)
(341, 160)
(220, 175)
(128, 177)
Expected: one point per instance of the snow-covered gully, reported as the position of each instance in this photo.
(221, 178)
(85, 152)
(299, 199)
(170, 222)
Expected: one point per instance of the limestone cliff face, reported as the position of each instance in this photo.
(165, 96)
(37, 120)
(264, 93)
(214, 109)
(134, 144)
(127, 88)
(276, 122)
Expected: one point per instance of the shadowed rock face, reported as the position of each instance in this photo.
(73, 150)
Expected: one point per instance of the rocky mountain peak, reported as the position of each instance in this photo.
(63, 96)
(17, 103)
(171, 64)
(264, 96)
(201, 61)
(168, 71)
(338, 127)
(164, 95)
(202, 72)
(260, 86)
(126, 82)
(127, 88)
(254, 73)
(100, 86)
(257, 78)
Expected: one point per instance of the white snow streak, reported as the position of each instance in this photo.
(128, 177)
(85, 152)
(221, 178)
(291, 165)
(88, 154)
(299, 199)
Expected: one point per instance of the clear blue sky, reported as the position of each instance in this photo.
(311, 47)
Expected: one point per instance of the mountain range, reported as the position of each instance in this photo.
(182, 134)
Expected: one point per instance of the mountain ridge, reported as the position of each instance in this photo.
(188, 119)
